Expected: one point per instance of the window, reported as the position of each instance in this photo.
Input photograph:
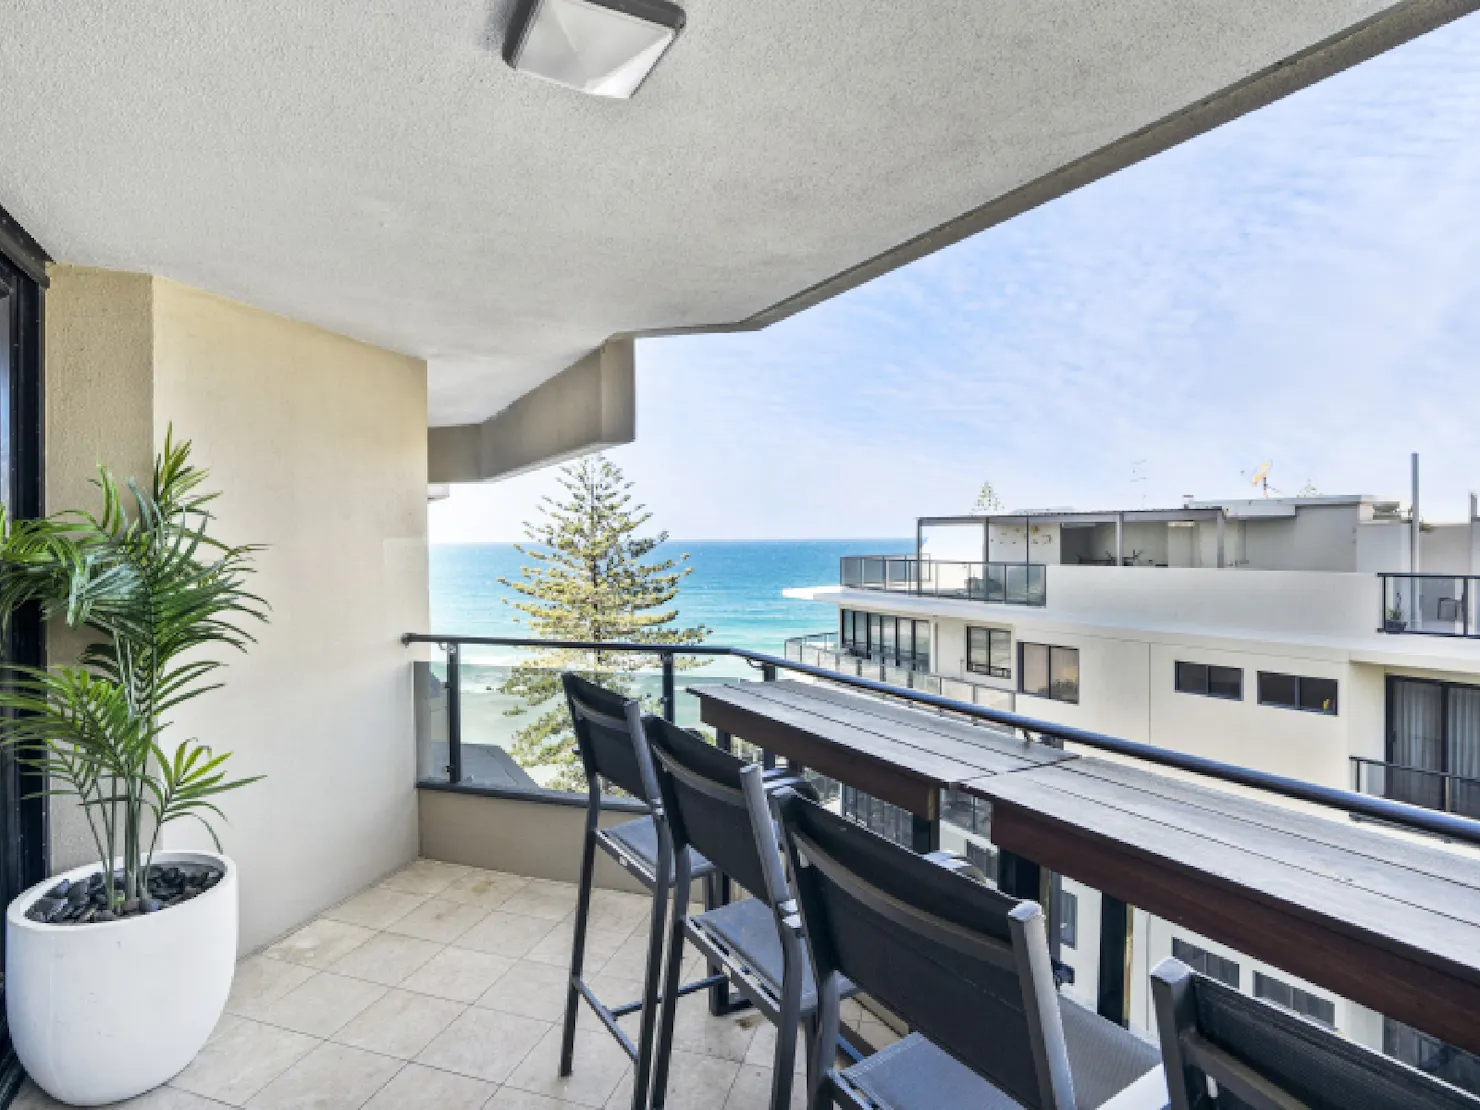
(1210, 681)
(875, 635)
(1288, 691)
(1200, 959)
(1068, 919)
(1290, 997)
(922, 645)
(1430, 1054)
(983, 858)
(1046, 671)
(989, 651)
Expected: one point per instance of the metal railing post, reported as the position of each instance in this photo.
(454, 713)
(669, 707)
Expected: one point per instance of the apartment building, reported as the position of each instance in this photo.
(1329, 639)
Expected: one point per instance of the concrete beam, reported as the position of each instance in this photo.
(589, 406)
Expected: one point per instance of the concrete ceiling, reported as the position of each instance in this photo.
(375, 168)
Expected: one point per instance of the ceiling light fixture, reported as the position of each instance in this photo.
(601, 47)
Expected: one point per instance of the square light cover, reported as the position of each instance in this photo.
(601, 47)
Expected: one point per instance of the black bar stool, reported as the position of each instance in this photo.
(717, 804)
(609, 736)
(1257, 1054)
(967, 966)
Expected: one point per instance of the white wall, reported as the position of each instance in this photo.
(1295, 603)
(1309, 746)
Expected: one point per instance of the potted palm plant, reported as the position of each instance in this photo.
(116, 972)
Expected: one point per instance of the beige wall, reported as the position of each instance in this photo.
(536, 839)
(319, 443)
(99, 407)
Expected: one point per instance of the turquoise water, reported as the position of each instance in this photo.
(735, 588)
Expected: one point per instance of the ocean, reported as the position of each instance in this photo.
(734, 590)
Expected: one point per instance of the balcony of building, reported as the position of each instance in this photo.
(1430, 604)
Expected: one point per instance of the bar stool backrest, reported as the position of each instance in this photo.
(1264, 1057)
(610, 738)
(704, 799)
(963, 964)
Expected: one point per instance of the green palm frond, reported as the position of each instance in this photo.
(162, 598)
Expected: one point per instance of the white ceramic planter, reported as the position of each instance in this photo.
(101, 1013)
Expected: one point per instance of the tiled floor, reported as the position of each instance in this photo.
(442, 987)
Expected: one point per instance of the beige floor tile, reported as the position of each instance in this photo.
(752, 1090)
(331, 1077)
(506, 934)
(425, 876)
(322, 1005)
(31, 1097)
(876, 1032)
(762, 1050)
(439, 920)
(485, 1044)
(387, 958)
(401, 1024)
(510, 1099)
(241, 1058)
(614, 990)
(417, 1088)
(696, 1030)
(321, 943)
(458, 973)
(617, 908)
(630, 959)
(530, 989)
(694, 1083)
(547, 901)
(261, 981)
(486, 889)
(602, 943)
(376, 908)
(600, 1067)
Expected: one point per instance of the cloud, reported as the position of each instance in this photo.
(1300, 285)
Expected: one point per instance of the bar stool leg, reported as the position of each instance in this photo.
(672, 973)
(648, 1030)
(578, 947)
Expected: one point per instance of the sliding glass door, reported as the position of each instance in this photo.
(1434, 744)
(22, 814)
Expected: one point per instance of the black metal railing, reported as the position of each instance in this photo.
(1450, 825)
(1419, 786)
(972, 817)
(993, 583)
(1431, 604)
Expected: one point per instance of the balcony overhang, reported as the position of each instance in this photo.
(381, 173)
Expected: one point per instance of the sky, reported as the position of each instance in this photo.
(1300, 286)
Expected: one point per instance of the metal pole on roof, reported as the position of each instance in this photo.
(1413, 552)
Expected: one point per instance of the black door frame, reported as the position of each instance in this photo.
(24, 856)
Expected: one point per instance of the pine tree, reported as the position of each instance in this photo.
(589, 581)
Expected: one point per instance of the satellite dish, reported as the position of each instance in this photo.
(1261, 477)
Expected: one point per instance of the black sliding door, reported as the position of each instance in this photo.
(22, 814)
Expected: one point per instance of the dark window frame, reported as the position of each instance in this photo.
(1051, 649)
(1299, 681)
(986, 668)
(1208, 963)
(1301, 1001)
(1206, 670)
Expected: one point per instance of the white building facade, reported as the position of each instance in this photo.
(1289, 635)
